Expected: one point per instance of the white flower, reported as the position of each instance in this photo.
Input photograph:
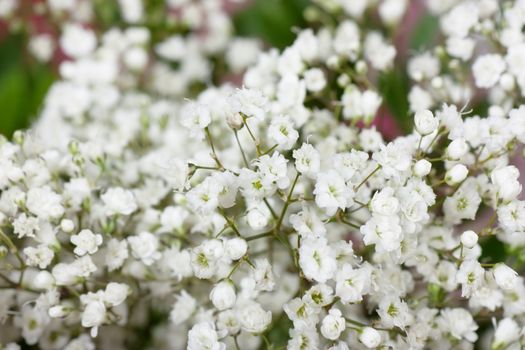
(346, 41)
(86, 242)
(393, 159)
(352, 284)
(204, 198)
(44, 203)
(395, 312)
(308, 223)
(487, 69)
(77, 41)
(116, 254)
(116, 293)
(425, 122)
(378, 51)
(384, 231)
(384, 202)
(506, 182)
(506, 278)
(250, 102)
(307, 160)
(203, 336)
(470, 276)
(281, 132)
(118, 200)
(370, 337)
(317, 259)
(331, 192)
(24, 226)
(65, 274)
(223, 295)
(184, 307)
(507, 332)
(195, 117)
(144, 246)
(458, 323)
(263, 275)
(40, 256)
(314, 79)
(94, 315)
(253, 318)
(333, 324)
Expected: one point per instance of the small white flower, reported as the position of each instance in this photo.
(118, 200)
(506, 182)
(223, 295)
(144, 246)
(487, 70)
(331, 192)
(86, 242)
(253, 318)
(204, 336)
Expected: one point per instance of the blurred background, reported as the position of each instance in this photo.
(24, 79)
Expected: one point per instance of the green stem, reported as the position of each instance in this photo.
(242, 152)
(368, 177)
(210, 141)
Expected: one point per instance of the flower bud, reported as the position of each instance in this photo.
(234, 121)
(422, 168)
(58, 311)
(457, 174)
(67, 225)
(43, 280)
(370, 337)
(333, 325)
(506, 278)
(257, 219)
(425, 122)
(115, 293)
(469, 239)
(457, 149)
(223, 295)
(235, 248)
(506, 333)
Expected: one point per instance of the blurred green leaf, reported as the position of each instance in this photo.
(493, 250)
(279, 334)
(22, 86)
(394, 88)
(425, 32)
(271, 20)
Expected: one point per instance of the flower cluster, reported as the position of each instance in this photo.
(133, 218)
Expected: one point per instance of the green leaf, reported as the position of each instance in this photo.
(271, 20)
(22, 86)
(393, 86)
(425, 32)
